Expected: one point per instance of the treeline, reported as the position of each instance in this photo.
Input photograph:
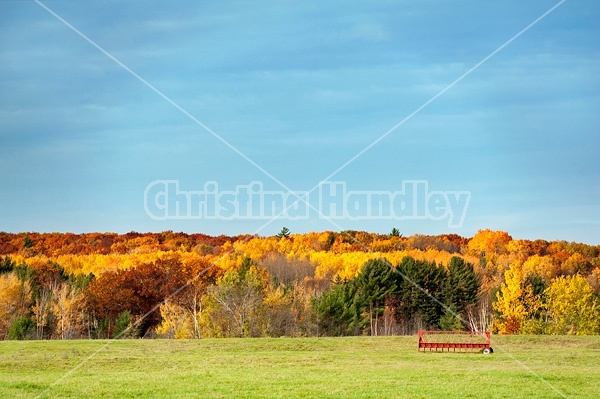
(67, 286)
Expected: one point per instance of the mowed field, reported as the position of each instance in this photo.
(356, 367)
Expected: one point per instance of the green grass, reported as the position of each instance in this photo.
(360, 367)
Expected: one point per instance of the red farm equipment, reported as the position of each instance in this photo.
(455, 341)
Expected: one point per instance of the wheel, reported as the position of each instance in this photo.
(487, 351)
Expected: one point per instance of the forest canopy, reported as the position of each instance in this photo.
(178, 285)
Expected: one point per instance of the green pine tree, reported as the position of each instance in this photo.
(375, 282)
(462, 285)
(285, 232)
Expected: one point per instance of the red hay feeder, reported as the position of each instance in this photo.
(455, 341)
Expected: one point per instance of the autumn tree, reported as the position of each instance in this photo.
(594, 280)
(239, 298)
(576, 264)
(182, 313)
(176, 322)
(489, 241)
(425, 242)
(543, 266)
(44, 278)
(42, 310)
(282, 306)
(106, 298)
(199, 276)
(518, 300)
(15, 298)
(286, 271)
(140, 291)
(68, 308)
(572, 307)
(509, 302)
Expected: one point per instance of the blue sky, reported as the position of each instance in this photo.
(300, 88)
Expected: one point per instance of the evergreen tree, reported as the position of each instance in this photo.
(374, 284)
(462, 285)
(420, 286)
(337, 311)
(22, 327)
(28, 242)
(450, 321)
(122, 324)
(284, 233)
(433, 278)
(6, 265)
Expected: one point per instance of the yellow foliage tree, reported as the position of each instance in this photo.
(488, 241)
(543, 266)
(13, 301)
(515, 302)
(176, 322)
(519, 249)
(68, 309)
(572, 306)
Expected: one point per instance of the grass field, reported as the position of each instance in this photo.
(358, 367)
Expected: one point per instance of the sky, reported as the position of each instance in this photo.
(150, 116)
